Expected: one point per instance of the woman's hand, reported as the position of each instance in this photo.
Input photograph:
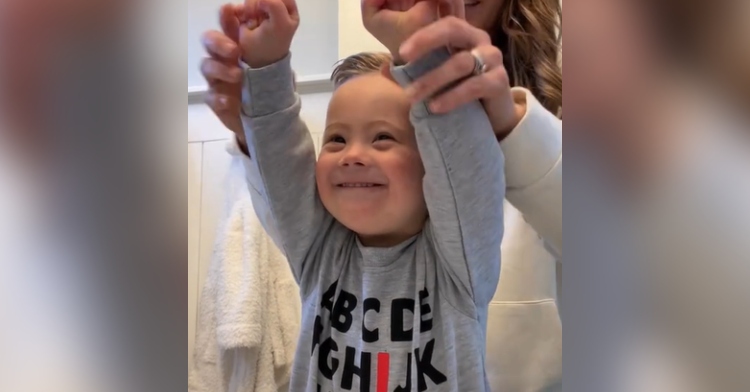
(492, 87)
(222, 70)
(393, 21)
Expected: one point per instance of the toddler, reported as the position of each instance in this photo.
(393, 233)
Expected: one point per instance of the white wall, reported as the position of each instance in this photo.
(330, 30)
(204, 126)
(353, 38)
(314, 47)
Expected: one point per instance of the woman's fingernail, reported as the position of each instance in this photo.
(435, 107)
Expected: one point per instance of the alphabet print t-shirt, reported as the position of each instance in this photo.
(408, 318)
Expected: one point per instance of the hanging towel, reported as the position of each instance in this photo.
(250, 309)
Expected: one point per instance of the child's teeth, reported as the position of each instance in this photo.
(358, 185)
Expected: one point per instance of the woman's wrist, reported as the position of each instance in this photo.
(519, 111)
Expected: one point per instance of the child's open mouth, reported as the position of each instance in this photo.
(359, 185)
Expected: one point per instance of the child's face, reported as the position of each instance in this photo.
(369, 171)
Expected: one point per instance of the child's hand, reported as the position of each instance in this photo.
(267, 31)
(393, 21)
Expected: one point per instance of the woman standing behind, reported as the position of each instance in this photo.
(520, 42)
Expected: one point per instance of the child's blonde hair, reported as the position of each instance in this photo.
(358, 64)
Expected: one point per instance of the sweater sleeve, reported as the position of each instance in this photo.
(533, 169)
(281, 166)
(464, 189)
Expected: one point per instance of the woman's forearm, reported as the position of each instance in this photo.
(533, 153)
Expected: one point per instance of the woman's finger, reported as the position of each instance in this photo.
(214, 71)
(458, 67)
(450, 31)
(220, 46)
(227, 109)
(218, 103)
(229, 17)
(221, 103)
(490, 84)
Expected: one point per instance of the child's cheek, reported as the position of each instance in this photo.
(323, 169)
(407, 168)
(412, 164)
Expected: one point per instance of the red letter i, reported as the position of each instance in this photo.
(384, 367)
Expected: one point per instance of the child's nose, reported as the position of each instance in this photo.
(355, 156)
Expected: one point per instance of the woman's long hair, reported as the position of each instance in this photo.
(529, 32)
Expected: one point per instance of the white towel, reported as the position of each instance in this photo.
(250, 308)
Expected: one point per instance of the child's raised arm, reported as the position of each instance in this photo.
(464, 189)
(281, 169)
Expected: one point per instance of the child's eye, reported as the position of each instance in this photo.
(383, 136)
(336, 139)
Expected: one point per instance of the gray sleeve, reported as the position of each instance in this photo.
(281, 172)
(464, 188)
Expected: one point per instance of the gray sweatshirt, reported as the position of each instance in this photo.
(408, 318)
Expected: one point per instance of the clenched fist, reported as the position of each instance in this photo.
(266, 35)
(393, 21)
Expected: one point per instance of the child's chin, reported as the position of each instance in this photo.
(363, 226)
